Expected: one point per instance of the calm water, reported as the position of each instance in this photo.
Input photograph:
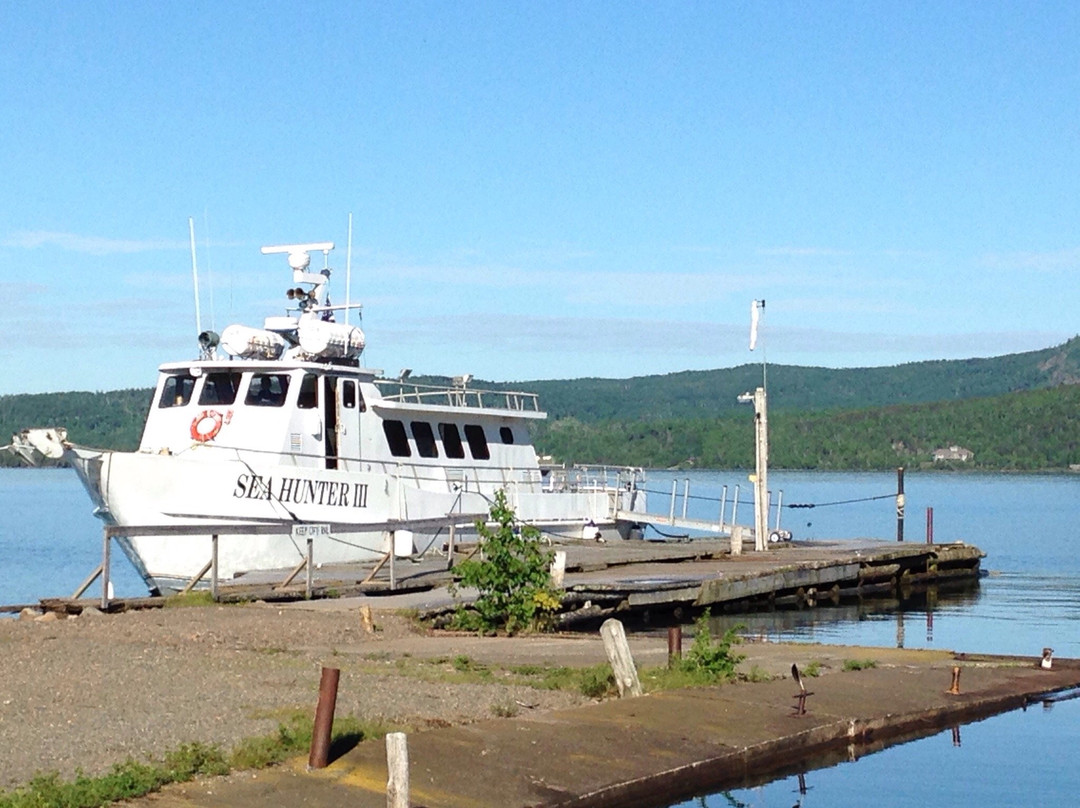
(1029, 526)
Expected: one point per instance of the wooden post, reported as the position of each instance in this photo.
(618, 653)
(558, 569)
(214, 567)
(324, 719)
(900, 504)
(397, 766)
(929, 525)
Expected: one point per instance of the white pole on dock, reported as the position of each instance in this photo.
(761, 489)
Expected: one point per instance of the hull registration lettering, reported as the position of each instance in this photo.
(300, 491)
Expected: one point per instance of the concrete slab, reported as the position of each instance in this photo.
(665, 746)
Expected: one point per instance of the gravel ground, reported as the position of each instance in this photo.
(88, 692)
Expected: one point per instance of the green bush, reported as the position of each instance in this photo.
(512, 576)
(712, 659)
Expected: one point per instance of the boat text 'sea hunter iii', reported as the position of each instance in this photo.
(282, 424)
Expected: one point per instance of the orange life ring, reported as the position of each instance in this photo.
(203, 435)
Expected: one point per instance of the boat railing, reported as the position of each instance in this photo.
(578, 478)
(457, 395)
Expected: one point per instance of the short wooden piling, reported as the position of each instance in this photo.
(397, 765)
(929, 525)
(618, 653)
(324, 719)
(558, 569)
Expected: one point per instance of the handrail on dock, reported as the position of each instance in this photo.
(217, 530)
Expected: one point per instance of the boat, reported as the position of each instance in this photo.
(283, 425)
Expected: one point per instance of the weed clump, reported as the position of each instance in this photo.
(512, 577)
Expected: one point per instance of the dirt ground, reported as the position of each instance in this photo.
(88, 692)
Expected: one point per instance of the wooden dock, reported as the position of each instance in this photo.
(641, 576)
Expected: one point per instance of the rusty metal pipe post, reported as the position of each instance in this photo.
(324, 719)
(954, 689)
(674, 645)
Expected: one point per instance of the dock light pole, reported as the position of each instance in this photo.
(761, 466)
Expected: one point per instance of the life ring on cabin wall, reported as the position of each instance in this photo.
(199, 429)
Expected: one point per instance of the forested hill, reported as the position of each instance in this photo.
(1029, 430)
(682, 418)
(705, 393)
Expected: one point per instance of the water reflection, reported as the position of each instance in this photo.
(1017, 758)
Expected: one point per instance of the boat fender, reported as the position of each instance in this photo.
(206, 425)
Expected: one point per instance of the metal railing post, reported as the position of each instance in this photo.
(214, 567)
(310, 565)
(105, 571)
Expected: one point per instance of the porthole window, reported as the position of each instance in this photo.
(478, 446)
(425, 439)
(451, 441)
(396, 438)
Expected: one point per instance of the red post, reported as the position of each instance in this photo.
(324, 719)
(929, 525)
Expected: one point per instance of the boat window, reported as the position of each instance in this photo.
(177, 390)
(220, 388)
(351, 397)
(451, 440)
(425, 439)
(474, 434)
(308, 397)
(267, 390)
(396, 438)
(507, 434)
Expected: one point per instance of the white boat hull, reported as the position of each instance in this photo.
(150, 490)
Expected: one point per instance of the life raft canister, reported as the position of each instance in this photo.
(206, 425)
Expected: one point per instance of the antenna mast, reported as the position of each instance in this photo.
(195, 275)
(348, 273)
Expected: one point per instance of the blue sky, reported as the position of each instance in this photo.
(542, 189)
